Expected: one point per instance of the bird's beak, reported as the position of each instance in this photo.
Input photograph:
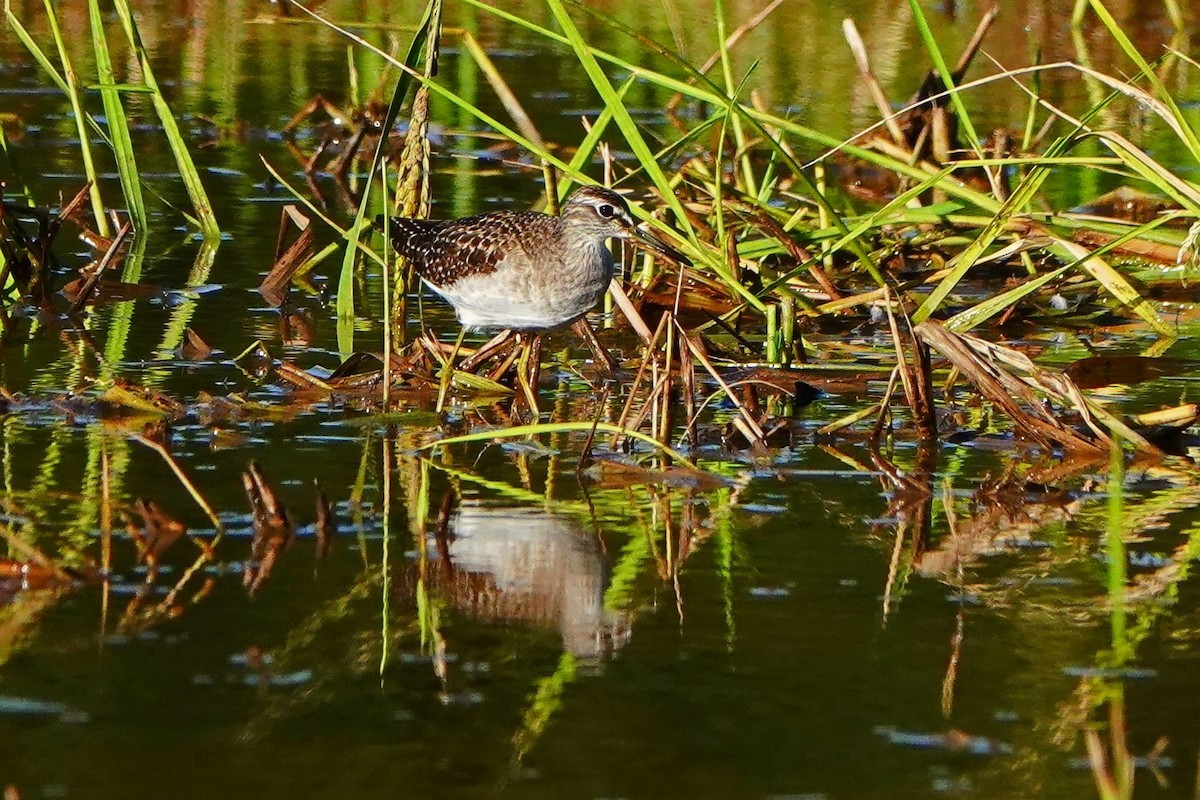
(656, 245)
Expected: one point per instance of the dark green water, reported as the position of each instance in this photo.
(798, 632)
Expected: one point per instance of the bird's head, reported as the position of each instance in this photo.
(600, 212)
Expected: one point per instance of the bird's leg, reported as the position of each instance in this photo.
(493, 346)
(529, 370)
(535, 366)
(505, 363)
(604, 361)
(447, 376)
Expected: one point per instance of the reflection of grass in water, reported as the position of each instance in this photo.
(986, 231)
(546, 701)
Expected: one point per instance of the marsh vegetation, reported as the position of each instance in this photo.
(891, 492)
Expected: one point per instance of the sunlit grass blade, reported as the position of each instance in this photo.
(981, 312)
(118, 125)
(1174, 116)
(69, 85)
(1020, 198)
(519, 431)
(179, 149)
(1114, 282)
(733, 92)
(1162, 179)
(624, 120)
(345, 291)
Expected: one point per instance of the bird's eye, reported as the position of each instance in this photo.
(606, 211)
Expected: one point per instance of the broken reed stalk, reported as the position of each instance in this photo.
(648, 357)
(916, 374)
(987, 367)
(183, 479)
(288, 257)
(106, 261)
(745, 421)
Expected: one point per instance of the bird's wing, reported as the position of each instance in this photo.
(444, 251)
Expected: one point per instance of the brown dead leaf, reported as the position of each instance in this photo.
(288, 258)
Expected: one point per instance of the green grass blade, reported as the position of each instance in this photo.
(739, 135)
(69, 84)
(118, 125)
(518, 431)
(1113, 281)
(1020, 197)
(183, 159)
(319, 214)
(1177, 120)
(345, 290)
(981, 312)
(629, 129)
(943, 70)
(35, 49)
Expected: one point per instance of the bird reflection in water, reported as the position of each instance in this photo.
(520, 565)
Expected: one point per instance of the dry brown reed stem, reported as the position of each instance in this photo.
(768, 225)
(660, 425)
(273, 530)
(184, 479)
(688, 388)
(509, 100)
(745, 422)
(1179, 416)
(657, 383)
(288, 258)
(732, 39)
(505, 364)
(885, 407)
(1016, 398)
(917, 376)
(585, 453)
(968, 53)
(604, 361)
(110, 256)
(863, 61)
(986, 365)
(637, 380)
(529, 371)
(66, 212)
(500, 344)
(622, 301)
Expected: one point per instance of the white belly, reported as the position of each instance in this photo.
(523, 299)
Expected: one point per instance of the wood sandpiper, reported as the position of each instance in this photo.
(525, 271)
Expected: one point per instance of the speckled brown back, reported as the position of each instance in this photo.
(446, 251)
